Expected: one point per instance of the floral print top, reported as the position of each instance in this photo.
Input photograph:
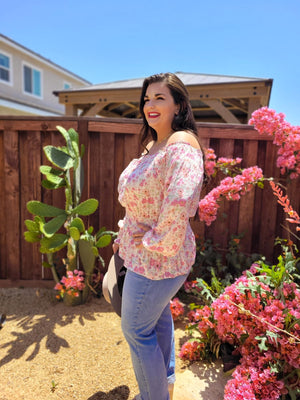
(161, 190)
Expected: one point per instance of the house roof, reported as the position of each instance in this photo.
(24, 49)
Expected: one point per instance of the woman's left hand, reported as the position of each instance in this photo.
(138, 236)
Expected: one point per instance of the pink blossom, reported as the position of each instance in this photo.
(71, 284)
(191, 350)
(177, 308)
(285, 136)
(231, 189)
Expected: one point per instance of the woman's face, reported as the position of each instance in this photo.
(159, 108)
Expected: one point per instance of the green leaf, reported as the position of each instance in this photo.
(71, 138)
(74, 232)
(95, 251)
(74, 135)
(50, 185)
(32, 226)
(78, 223)
(82, 150)
(87, 255)
(43, 210)
(273, 336)
(56, 179)
(32, 237)
(262, 343)
(260, 185)
(87, 207)
(53, 244)
(45, 264)
(90, 230)
(78, 181)
(52, 226)
(46, 169)
(104, 241)
(58, 157)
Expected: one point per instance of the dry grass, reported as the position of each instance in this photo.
(49, 351)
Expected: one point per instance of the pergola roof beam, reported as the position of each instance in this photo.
(222, 111)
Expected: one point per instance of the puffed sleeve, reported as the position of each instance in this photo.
(182, 186)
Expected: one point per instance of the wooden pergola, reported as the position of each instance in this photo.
(214, 98)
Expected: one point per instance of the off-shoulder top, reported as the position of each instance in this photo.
(161, 190)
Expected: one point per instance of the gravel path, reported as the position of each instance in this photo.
(49, 351)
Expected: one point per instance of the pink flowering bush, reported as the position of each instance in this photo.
(238, 181)
(232, 188)
(285, 136)
(259, 314)
(72, 284)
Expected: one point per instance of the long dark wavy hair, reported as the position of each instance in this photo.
(185, 118)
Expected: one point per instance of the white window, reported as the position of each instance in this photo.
(32, 80)
(5, 68)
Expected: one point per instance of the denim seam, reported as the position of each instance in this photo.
(136, 346)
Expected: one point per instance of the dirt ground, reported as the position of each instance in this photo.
(49, 351)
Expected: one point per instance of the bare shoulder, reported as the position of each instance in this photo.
(184, 136)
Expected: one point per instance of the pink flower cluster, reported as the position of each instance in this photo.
(286, 136)
(71, 284)
(248, 318)
(212, 164)
(204, 318)
(231, 189)
(192, 350)
(177, 308)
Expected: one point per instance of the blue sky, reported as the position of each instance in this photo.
(104, 41)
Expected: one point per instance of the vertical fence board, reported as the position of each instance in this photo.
(119, 166)
(221, 235)
(30, 161)
(12, 203)
(2, 212)
(94, 156)
(269, 206)
(106, 177)
(245, 223)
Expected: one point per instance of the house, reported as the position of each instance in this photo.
(27, 81)
(214, 98)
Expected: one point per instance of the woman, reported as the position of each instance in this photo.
(160, 192)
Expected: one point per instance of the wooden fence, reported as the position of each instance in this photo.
(110, 145)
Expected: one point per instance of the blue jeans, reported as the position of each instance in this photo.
(148, 327)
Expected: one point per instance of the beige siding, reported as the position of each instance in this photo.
(52, 78)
